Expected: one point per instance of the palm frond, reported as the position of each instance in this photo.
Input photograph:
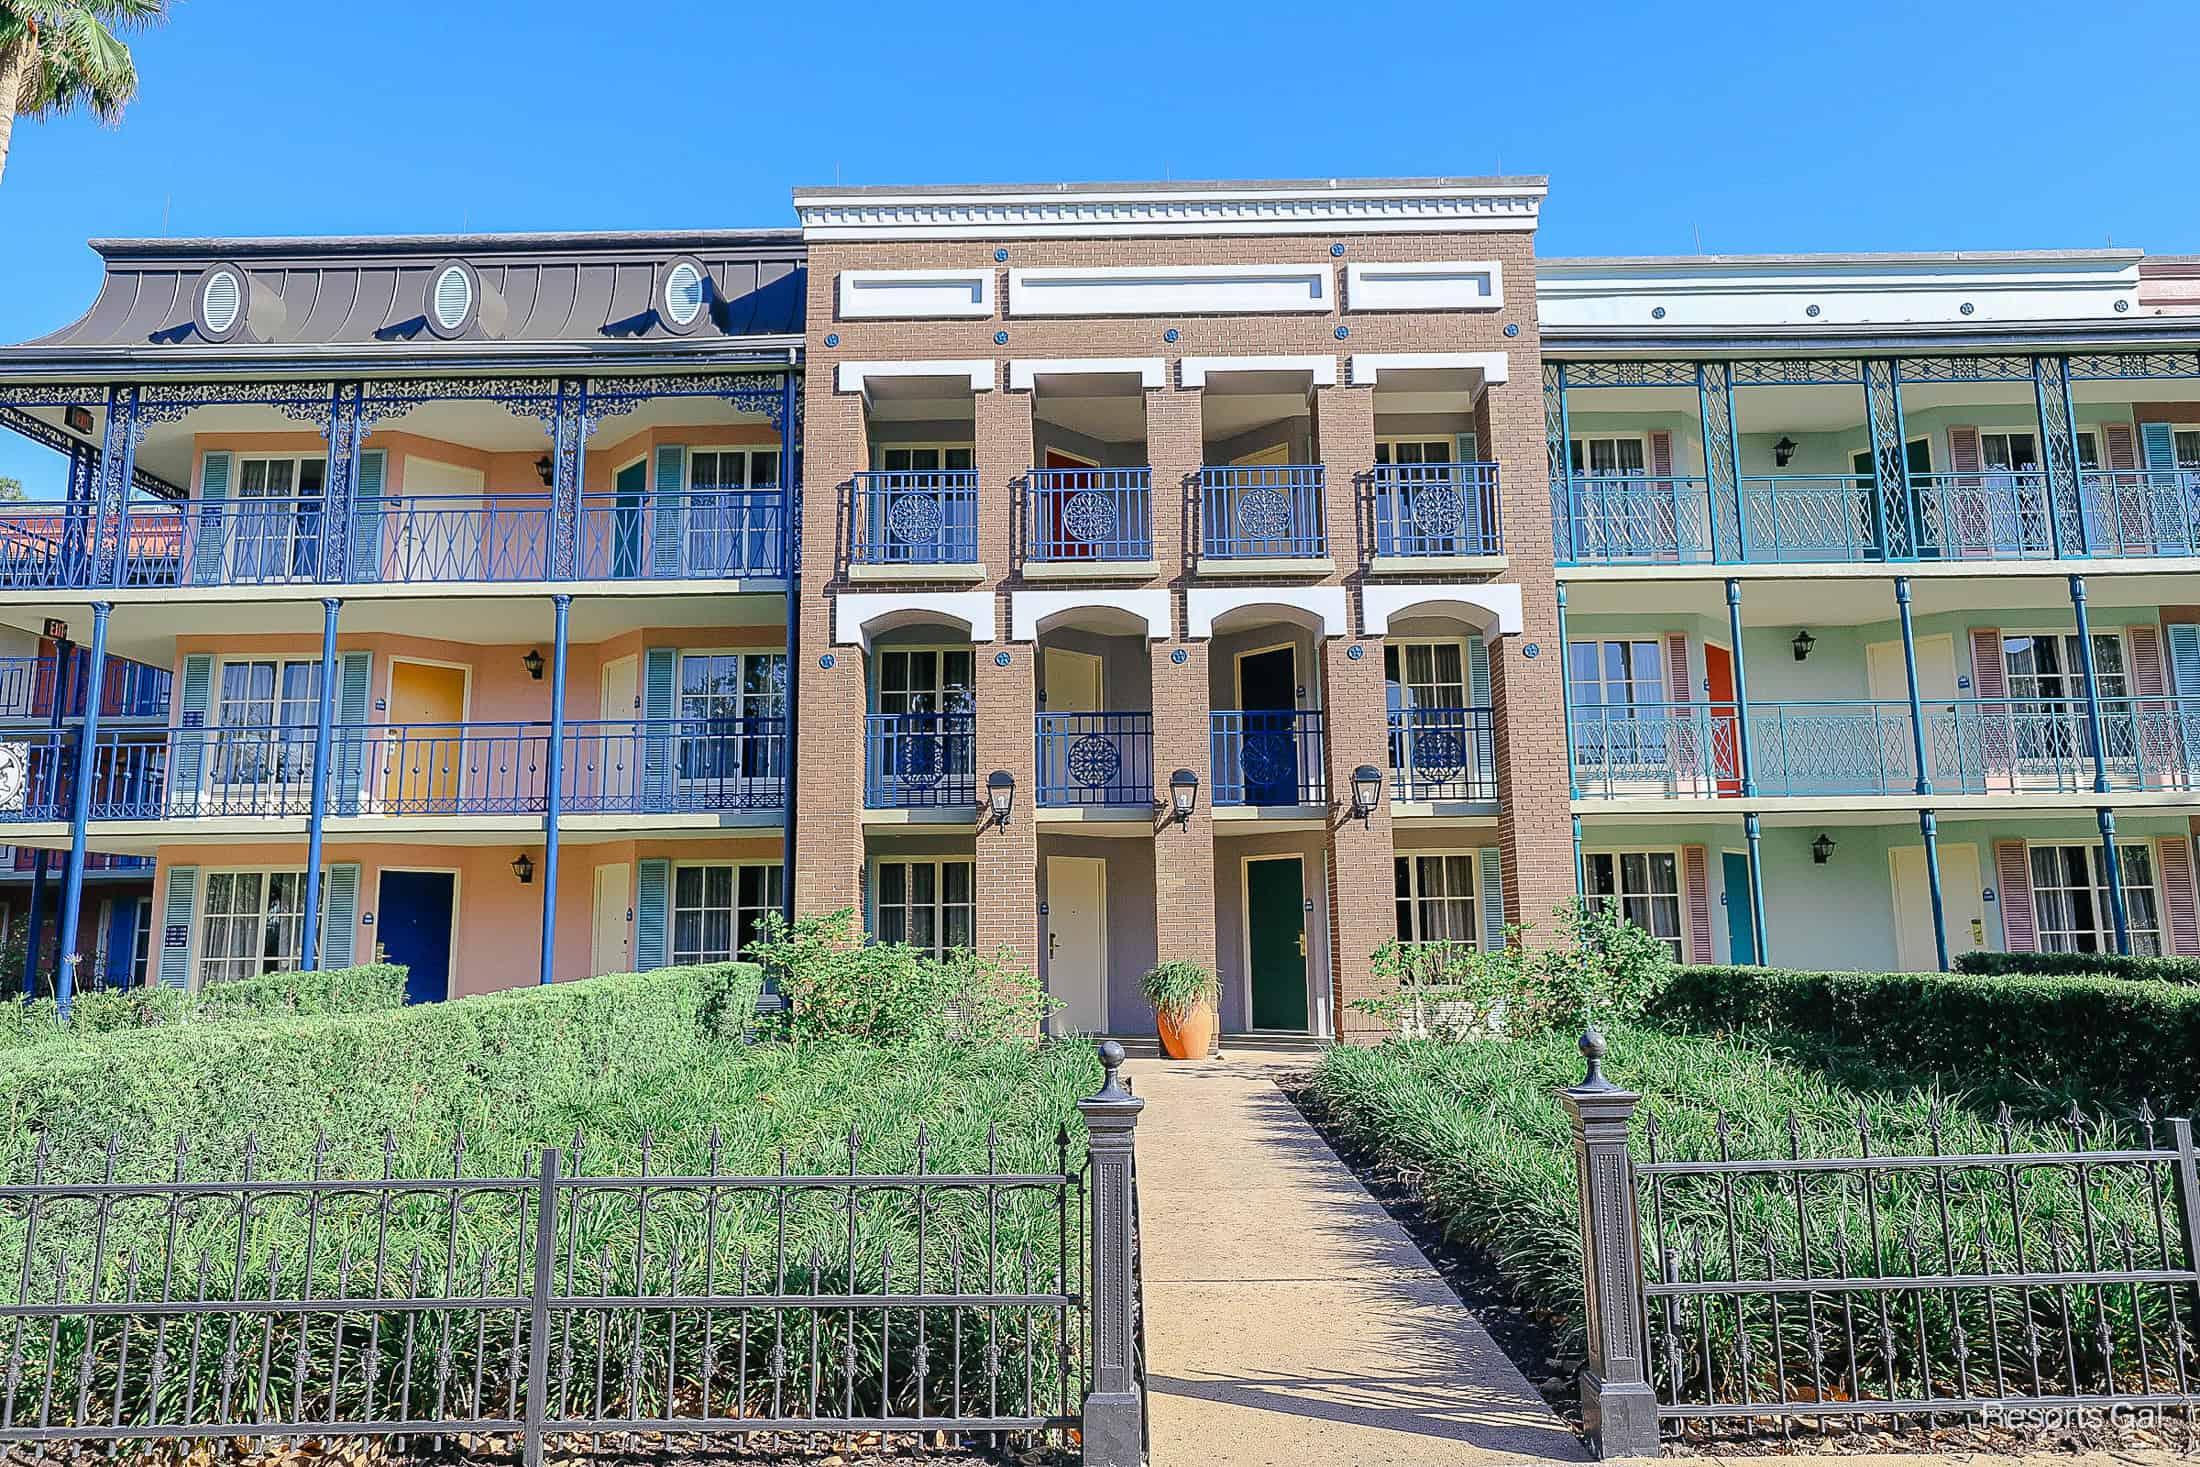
(81, 62)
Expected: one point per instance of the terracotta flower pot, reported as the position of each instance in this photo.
(1189, 1035)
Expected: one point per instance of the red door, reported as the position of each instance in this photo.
(1064, 485)
(1726, 741)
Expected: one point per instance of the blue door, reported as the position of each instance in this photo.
(1269, 750)
(1741, 937)
(414, 914)
(122, 932)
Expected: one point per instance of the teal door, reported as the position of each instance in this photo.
(630, 486)
(1275, 925)
(1741, 936)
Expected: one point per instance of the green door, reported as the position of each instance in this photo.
(1275, 920)
(630, 485)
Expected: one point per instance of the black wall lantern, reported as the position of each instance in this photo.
(524, 869)
(1367, 788)
(533, 663)
(1000, 795)
(1802, 644)
(545, 468)
(1183, 795)
(1783, 451)
(1821, 849)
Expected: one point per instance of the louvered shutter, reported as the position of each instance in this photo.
(1476, 533)
(2158, 442)
(1489, 870)
(365, 552)
(2013, 871)
(667, 511)
(179, 904)
(1661, 456)
(1683, 734)
(2144, 723)
(206, 520)
(2119, 447)
(1993, 728)
(2181, 903)
(340, 915)
(1964, 509)
(2184, 676)
(2171, 505)
(660, 707)
(1481, 730)
(652, 913)
(350, 747)
(1696, 876)
(187, 770)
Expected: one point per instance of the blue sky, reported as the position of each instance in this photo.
(1724, 127)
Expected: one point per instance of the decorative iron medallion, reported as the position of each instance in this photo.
(1438, 509)
(920, 761)
(15, 770)
(1439, 755)
(1264, 514)
(1094, 761)
(1089, 515)
(1270, 758)
(914, 518)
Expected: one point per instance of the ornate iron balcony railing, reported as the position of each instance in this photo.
(919, 760)
(1088, 515)
(127, 689)
(1437, 509)
(914, 517)
(1095, 758)
(1268, 512)
(1261, 757)
(1442, 754)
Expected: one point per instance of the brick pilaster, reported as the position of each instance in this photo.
(828, 872)
(1344, 432)
(1007, 872)
(1183, 855)
(1361, 898)
(1174, 450)
(1002, 453)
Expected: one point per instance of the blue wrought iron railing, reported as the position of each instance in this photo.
(1862, 747)
(1089, 514)
(1263, 757)
(399, 539)
(1437, 509)
(127, 689)
(1983, 515)
(1266, 512)
(919, 760)
(1095, 758)
(1442, 754)
(914, 517)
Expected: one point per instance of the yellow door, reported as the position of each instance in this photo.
(426, 757)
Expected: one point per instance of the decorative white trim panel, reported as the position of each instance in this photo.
(1194, 371)
(1368, 367)
(1425, 285)
(1205, 605)
(915, 294)
(1029, 609)
(1495, 609)
(1331, 206)
(853, 376)
(1151, 371)
(1168, 290)
(860, 616)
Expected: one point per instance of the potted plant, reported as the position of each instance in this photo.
(1183, 995)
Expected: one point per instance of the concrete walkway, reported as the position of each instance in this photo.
(1289, 1320)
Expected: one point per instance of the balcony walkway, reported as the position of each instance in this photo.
(1289, 1320)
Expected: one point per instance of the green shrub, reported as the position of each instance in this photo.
(2037, 1042)
(840, 985)
(366, 988)
(1176, 987)
(2077, 965)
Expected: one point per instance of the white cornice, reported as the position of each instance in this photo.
(1045, 213)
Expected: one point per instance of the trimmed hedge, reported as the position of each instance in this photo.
(2033, 1041)
(423, 1072)
(2075, 965)
(367, 988)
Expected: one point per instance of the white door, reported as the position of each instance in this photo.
(608, 950)
(1961, 897)
(1936, 692)
(621, 685)
(1073, 682)
(1077, 943)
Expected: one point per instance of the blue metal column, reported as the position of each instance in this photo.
(2059, 456)
(1566, 695)
(1917, 702)
(1755, 834)
(80, 808)
(1929, 828)
(790, 544)
(1581, 872)
(1558, 448)
(323, 715)
(1721, 463)
(2112, 872)
(2095, 731)
(1741, 687)
(56, 718)
(554, 801)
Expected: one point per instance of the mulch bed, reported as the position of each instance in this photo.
(870, 1450)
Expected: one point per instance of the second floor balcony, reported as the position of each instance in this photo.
(1267, 757)
(912, 519)
(917, 761)
(1264, 512)
(1442, 754)
(1088, 517)
(1094, 759)
(1436, 511)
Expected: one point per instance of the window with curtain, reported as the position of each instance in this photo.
(266, 715)
(252, 922)
(1645, 886)
(732, 709)
(927, 904)
(1436, 899)
(716, 909)
(2070, 899)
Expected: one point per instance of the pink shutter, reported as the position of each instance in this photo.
(2155, 731)
(2020, 931)
(2175, 860)
(1992, 729)
(1966, 512)
(1679, 686)
(1963, 456)
(1989, 674)
(2147, 680)
(1661, 455)
(1684, 746)
(2120, 442)
(1697, 869)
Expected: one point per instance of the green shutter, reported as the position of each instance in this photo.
(1478, 673)
(350, 747)
(339, 915)
(660, 675)
(2158, 447)
(667, 515)
(365, 549)
(178, 906)
(1489, 866)
(2184, 681)
(1481, 731)
(652, 913)
(206, 525)
(188, 771)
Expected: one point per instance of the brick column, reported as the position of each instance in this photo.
(1362, 910)
(1183, 855)
(1002, 453)
(1007, 870)
(1174, 450)
(828, 872)
(1344, 433)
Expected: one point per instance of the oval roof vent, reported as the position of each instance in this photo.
(683, 292)
(221, 302)
(451, 303)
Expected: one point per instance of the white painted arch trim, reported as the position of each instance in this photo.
(1368, 367)
(1325, 605)
(1151, 371)
(1495, 609)
(859, 617)
(1160, 290)
(1029, 610)
(915, 294)
(853, 376)
(1195, 370)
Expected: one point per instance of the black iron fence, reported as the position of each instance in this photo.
(567, 1306)
(1984, 1278)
